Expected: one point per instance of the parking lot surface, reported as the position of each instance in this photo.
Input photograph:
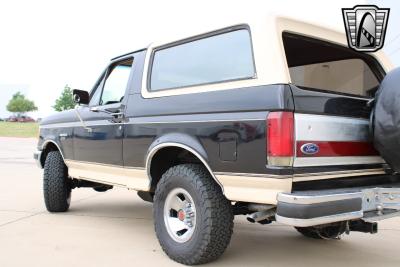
(115, 228)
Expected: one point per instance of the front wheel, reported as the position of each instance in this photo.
(56, 185)
(193, 219)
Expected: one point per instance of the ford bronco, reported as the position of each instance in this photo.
(268, 119)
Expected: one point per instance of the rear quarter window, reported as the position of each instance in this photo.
(217, 58)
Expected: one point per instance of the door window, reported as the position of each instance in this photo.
(112, 89)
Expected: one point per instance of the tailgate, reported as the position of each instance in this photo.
(332, 137)
(331, 86)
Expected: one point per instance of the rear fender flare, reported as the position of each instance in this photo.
(184, 141)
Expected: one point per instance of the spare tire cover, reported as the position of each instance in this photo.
(387, 119)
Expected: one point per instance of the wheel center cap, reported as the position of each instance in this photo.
(181, 215)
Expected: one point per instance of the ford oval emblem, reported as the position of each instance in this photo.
(309, 149)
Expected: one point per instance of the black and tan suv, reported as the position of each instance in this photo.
(268, 119)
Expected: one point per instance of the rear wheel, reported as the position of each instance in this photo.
(193, 219)
(56, 185)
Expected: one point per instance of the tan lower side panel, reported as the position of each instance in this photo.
(236, 187)
(132, 178)
(254, 189)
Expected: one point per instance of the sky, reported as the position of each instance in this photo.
(45, 45)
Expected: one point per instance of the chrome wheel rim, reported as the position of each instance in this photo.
(180, 215)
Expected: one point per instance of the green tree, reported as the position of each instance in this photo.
(19, 104)
(65, 101)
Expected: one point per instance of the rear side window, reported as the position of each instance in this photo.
(223, 57)
(319, 65)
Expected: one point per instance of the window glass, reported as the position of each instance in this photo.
(96, 93)
(352, 76)
(320, 65)
(222, 57)
(116, 82)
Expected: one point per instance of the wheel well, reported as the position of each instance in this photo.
(166, 158)
(49, 147)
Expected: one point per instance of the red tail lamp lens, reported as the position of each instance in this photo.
(280, 134)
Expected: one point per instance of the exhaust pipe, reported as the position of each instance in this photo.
(263, 217)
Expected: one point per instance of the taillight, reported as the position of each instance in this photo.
(280, 138)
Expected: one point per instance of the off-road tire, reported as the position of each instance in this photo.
(214, 215)
(56, 185)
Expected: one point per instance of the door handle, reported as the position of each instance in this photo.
(95, 109)
(115, 112)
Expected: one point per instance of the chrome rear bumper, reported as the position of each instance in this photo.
(312, 208)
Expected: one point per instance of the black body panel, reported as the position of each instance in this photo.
(259, 98)
(52, 135)
(349, 182)
(231, 139)
(60, 117)
(103, 143)
(320, 102)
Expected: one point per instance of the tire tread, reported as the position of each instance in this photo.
(217, 215)
(56, 188)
